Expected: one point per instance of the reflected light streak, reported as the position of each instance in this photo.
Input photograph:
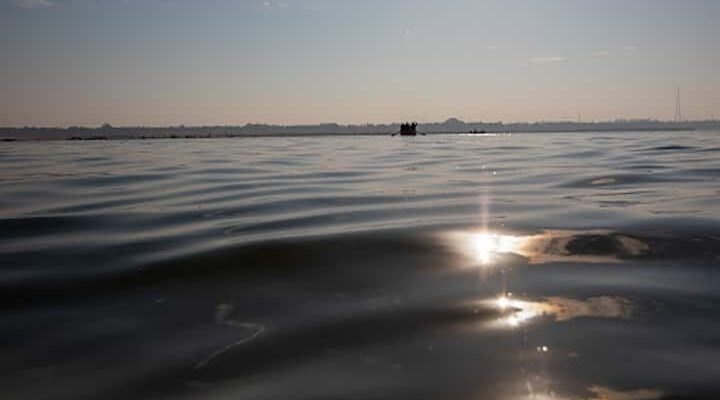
(503, 302)
(606, 393)
(487, 246)
(518, 312)
(593, 246)
(596, 392)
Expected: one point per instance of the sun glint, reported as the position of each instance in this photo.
(486, 246)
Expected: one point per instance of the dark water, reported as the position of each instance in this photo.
(555, 266)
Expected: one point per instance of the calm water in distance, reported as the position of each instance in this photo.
(523, 266)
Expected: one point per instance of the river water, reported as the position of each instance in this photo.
(509, 266)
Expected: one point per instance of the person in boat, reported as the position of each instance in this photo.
(408, 129)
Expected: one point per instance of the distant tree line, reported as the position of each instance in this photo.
(451, 125)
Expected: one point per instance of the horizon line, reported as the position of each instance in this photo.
(106, 125)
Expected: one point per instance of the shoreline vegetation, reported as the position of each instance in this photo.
(449, 126)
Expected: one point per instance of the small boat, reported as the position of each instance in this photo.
(408, 129)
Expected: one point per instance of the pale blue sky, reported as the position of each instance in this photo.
(161, 62)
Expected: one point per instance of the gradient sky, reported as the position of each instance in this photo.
(171, 62)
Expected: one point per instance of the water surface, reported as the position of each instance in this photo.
(524, 266)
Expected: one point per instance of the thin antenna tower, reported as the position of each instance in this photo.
(678, 113)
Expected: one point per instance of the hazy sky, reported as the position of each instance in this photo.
(161, 62)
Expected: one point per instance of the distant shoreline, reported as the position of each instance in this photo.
(450, 126)
(33, 138)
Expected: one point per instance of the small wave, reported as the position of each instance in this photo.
(671, 148)
(613, 180)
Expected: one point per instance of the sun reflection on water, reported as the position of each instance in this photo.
(486, 247)
(517, 312)
(493, 254)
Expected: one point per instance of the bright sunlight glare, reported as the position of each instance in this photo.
(486, 246)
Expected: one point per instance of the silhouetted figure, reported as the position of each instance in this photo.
(408, 129)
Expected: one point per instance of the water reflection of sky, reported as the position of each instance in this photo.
(617, 314)
(496, 251)
(488, 249)
(538, 382)
(516, 311)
